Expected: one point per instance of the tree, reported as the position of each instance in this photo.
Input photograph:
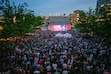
(18, 19)
(87, 21)
(96, 23)
(104, 23)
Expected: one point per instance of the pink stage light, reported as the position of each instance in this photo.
(68, 26)
(54, 27)
(57, 28)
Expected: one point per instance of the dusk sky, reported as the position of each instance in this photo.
(47, 7)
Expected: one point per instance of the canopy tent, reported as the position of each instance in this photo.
(59, 35)
(67, 35)
(63, 35)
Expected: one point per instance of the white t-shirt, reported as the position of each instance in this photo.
(65, 66)
(54, 66)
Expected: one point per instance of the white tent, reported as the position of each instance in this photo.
(67, 35)
(63, 35)
(59, 35)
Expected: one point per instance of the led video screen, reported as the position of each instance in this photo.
(53, 27)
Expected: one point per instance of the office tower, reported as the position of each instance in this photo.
(102, 3)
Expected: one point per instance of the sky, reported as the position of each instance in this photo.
(60, 7)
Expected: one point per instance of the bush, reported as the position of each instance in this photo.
(6, 45)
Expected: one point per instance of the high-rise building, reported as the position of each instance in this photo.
(102, 3)
(75, 16)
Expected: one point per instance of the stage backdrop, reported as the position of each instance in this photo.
(59, 23)
(54, 27)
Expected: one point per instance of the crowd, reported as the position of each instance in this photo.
(43, 53)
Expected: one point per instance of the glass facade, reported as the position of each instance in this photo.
(101, 3)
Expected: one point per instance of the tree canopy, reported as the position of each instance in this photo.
(95, 23)
(17, 21)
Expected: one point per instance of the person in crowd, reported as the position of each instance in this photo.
(44, 53)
